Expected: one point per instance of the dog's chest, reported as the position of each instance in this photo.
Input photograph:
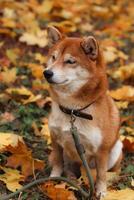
(59, 124)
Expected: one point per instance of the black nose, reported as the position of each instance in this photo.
(48, 74)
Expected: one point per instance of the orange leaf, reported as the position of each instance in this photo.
(22, 157)
(58, 191)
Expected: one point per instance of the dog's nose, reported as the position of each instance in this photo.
(48, 74)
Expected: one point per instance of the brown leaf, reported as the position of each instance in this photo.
(57, 191)
(22, 157)
(128, 143)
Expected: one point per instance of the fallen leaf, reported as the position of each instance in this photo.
(125, 93)
(111, 54)
(6, 117)
(41, 58)
(124, 72)
(23, 94)
(22, 157)
(37, 70)
(9, 139)
(45, 132)
(128, 143)
(11, 178)
(57, 191)
(8, 75)
(126, 194)
(37, 38)
(122, 104)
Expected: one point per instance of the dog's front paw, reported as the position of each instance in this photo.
(56, 172)
(101, 190)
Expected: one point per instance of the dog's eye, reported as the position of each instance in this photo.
(70, 61)
(53, 57)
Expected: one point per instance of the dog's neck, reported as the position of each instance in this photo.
(86, 95)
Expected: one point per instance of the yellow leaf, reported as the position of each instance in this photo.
(45, 132)
(37, 70)
(36, 38)
(41, 58)
(12, 54)
(11, 178)
(123, 93)
(127, 194)
(26, 95)
(111, 54)
(124, 72)
(45, 7)
(122, 104)
(9, 139)
(8, 75)
(20, 91)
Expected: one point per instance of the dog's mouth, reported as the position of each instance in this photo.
(57, 83)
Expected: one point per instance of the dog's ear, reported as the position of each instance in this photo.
(53, 35)
(90, 47)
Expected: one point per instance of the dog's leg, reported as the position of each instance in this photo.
(101, 164)
(56, 158)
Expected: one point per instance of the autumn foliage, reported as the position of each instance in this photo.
(24, 99)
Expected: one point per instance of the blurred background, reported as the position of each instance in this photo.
(24, 96)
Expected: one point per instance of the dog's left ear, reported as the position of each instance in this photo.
(54, 35)
(90, 47)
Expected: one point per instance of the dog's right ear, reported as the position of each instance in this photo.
(53, 35)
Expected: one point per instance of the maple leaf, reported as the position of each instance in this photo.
(126, 194)
(11, 178)
(8, 75)
(7, 139)
(57, 191)
(124, 72)
(124, 93)
(23, 94)
(128, 143)
(37, 38)
(45, 132)
(22, 157)
(6, 117)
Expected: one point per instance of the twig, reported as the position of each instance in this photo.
(42, 180)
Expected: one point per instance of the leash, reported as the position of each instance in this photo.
(81, 151)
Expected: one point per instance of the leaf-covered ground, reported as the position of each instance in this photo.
(24, 97)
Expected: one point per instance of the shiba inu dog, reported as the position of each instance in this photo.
(77, 76)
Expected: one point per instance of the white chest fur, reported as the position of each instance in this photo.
(59, 123)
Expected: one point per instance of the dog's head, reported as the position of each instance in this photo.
(73, 63)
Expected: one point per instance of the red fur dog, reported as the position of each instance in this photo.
(77, 77)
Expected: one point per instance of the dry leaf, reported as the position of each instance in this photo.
(124, 72)
(37, 70)
(11, 178)
(127, 194)
(6, 117)
(122, 104)
(22, 157)
(128, 143)
(37, 38)
(57, 191)
(45, 132)
(111, 54)
(125, 93)
(9, 139)
(8, 75)
(23, 94)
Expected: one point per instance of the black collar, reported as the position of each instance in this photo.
(77, 112)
